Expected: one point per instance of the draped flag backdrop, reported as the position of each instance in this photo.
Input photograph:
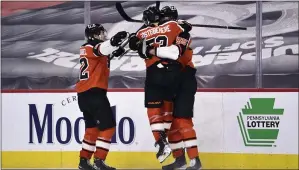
(41, 41)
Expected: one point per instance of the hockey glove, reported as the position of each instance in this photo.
(119, 38)
(118, 52)
(134, 42)
(185, 25)
(143, 50)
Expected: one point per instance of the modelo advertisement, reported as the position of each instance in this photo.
(54, 122)
(224, 122)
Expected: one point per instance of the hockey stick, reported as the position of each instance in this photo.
(122, 12)
(219, 26)
(158, 4)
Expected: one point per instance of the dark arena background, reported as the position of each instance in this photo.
(246, 104)
(40, 43)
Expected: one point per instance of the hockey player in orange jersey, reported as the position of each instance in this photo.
(92, 95)
(181, 134)
(168, 59)
(155, 44)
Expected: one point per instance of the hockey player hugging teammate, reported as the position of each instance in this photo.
(170, 84)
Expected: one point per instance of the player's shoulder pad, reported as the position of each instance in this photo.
(144, 27)
(174, 24)
(84, 45)
(87, 45)
(91, 43)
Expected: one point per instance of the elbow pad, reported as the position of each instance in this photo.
(106, 48)
(171, 52)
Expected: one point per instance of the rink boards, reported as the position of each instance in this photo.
(234, 130)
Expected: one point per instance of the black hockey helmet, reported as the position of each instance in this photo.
(169, 13)
(95, 32)
(151, 15)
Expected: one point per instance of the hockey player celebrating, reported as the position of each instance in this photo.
(92, 95)
(161, 73)
(161, 44)
(181, 134)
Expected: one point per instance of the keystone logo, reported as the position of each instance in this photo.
(259, 122)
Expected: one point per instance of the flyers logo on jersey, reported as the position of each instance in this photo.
(156, 30)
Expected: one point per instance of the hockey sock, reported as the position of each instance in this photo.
(89, 142)
(167, 115)
(175, 140)
(103, 143)
(156, 121)
(189, 136)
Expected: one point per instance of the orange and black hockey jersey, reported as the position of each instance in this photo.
(186, 58)
(94, 70)
(160, 36)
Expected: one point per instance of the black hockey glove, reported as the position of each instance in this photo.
(119, 38)
(134, 42)
(143, 50)
(186, 25)
(118, 52)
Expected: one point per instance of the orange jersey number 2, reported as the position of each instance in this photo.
(84, 74)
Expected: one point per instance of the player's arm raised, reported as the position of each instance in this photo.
(111, 46)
